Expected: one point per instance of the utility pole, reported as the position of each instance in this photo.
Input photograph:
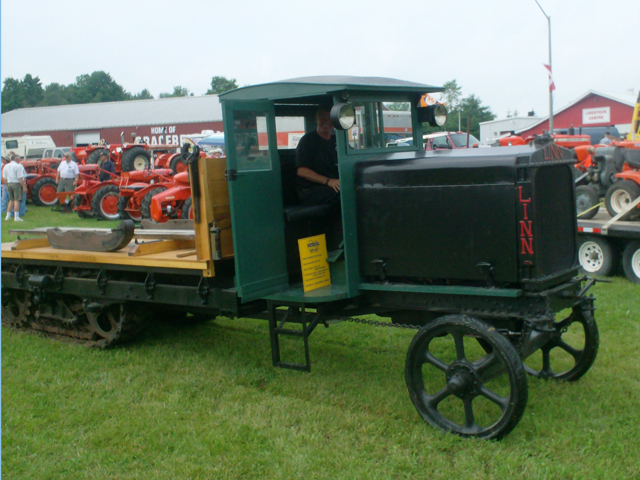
(550, 67)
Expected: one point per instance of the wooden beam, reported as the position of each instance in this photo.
(187, 254)
(157, 247)
(28, 243)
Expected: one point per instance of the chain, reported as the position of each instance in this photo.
(375, 323)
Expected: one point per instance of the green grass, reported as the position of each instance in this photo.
(203, 401)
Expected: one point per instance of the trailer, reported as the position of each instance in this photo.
(492, 298)
(605, 242)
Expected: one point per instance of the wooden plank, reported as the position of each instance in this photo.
(182, 224)
(43, 230)
(186, 254)
(140, 249)
(28, 243)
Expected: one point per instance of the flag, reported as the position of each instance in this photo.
(552, 86)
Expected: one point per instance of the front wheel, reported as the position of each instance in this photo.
(587, 202)
(571, 350)
(465, 378)
(631, 262)
(104, 203)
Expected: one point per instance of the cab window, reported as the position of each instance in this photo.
(441, 142)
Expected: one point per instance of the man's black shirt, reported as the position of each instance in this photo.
(317, 154)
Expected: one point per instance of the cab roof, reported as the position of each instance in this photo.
(324, 85)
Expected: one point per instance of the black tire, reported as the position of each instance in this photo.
(77, 201)
(136, 158)
(124, 214)
(570, 352)
(42, 191)
(587, 200)
(93, 157)
(103, 205)
(596, 256)
(175, 161)
(145, 205)
(619, 195)
(185, 211)
(631, 262)
(459, 339)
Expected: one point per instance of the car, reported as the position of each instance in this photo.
(440, 140)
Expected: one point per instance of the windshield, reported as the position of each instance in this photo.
(460, 140)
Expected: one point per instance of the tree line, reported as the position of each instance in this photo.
(96, 87)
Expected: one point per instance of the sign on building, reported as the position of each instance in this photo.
(596, 115)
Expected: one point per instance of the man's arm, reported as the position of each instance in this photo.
(314, 177)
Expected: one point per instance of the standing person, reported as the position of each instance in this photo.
(67, 177)
(317, 164)
(14, 175)
(606, 140)
(5, 193)
(105, 165)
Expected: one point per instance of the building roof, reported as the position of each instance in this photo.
(87, 116)
(625, 98)
(323, 85)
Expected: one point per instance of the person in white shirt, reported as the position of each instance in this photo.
(14, 175)
(67, 177)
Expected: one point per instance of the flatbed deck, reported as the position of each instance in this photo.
(175, 258)
(599, 225)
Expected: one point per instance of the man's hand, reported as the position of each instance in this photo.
(335, 184)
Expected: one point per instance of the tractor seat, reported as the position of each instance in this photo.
(295, 213)
(632, 157)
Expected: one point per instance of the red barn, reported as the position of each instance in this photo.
(593, 109)
(158, 121)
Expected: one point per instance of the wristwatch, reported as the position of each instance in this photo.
(327, 182)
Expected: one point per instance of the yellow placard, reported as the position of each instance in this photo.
(313, 258)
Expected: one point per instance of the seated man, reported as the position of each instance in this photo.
(317, 164)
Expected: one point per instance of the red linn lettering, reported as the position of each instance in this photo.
(527, 244)
(526, 217)
(528, 200)
(553, 152)
(526, 229)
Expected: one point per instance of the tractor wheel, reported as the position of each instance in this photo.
(571, 350)
(123, 203)
(631, 262)
(93, 157)
(77, 202)
(587, 202)
(619, 196)
(596, 256)
(104, 203)
(136, 158)
(466, 378)
(187, 211)
(44, 192)
(16, 307)
(145, 205)
(178, 164)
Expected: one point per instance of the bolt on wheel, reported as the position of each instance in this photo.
(465, 378)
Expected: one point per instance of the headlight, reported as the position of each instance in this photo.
(343, 116)
(436, 115)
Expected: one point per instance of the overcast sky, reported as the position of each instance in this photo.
(494, 48)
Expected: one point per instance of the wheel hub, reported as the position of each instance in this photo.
(462, 380)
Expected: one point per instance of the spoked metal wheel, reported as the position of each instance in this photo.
(16, 306)
(570, 352)
(466, 378)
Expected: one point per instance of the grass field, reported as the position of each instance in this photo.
(202, 401)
